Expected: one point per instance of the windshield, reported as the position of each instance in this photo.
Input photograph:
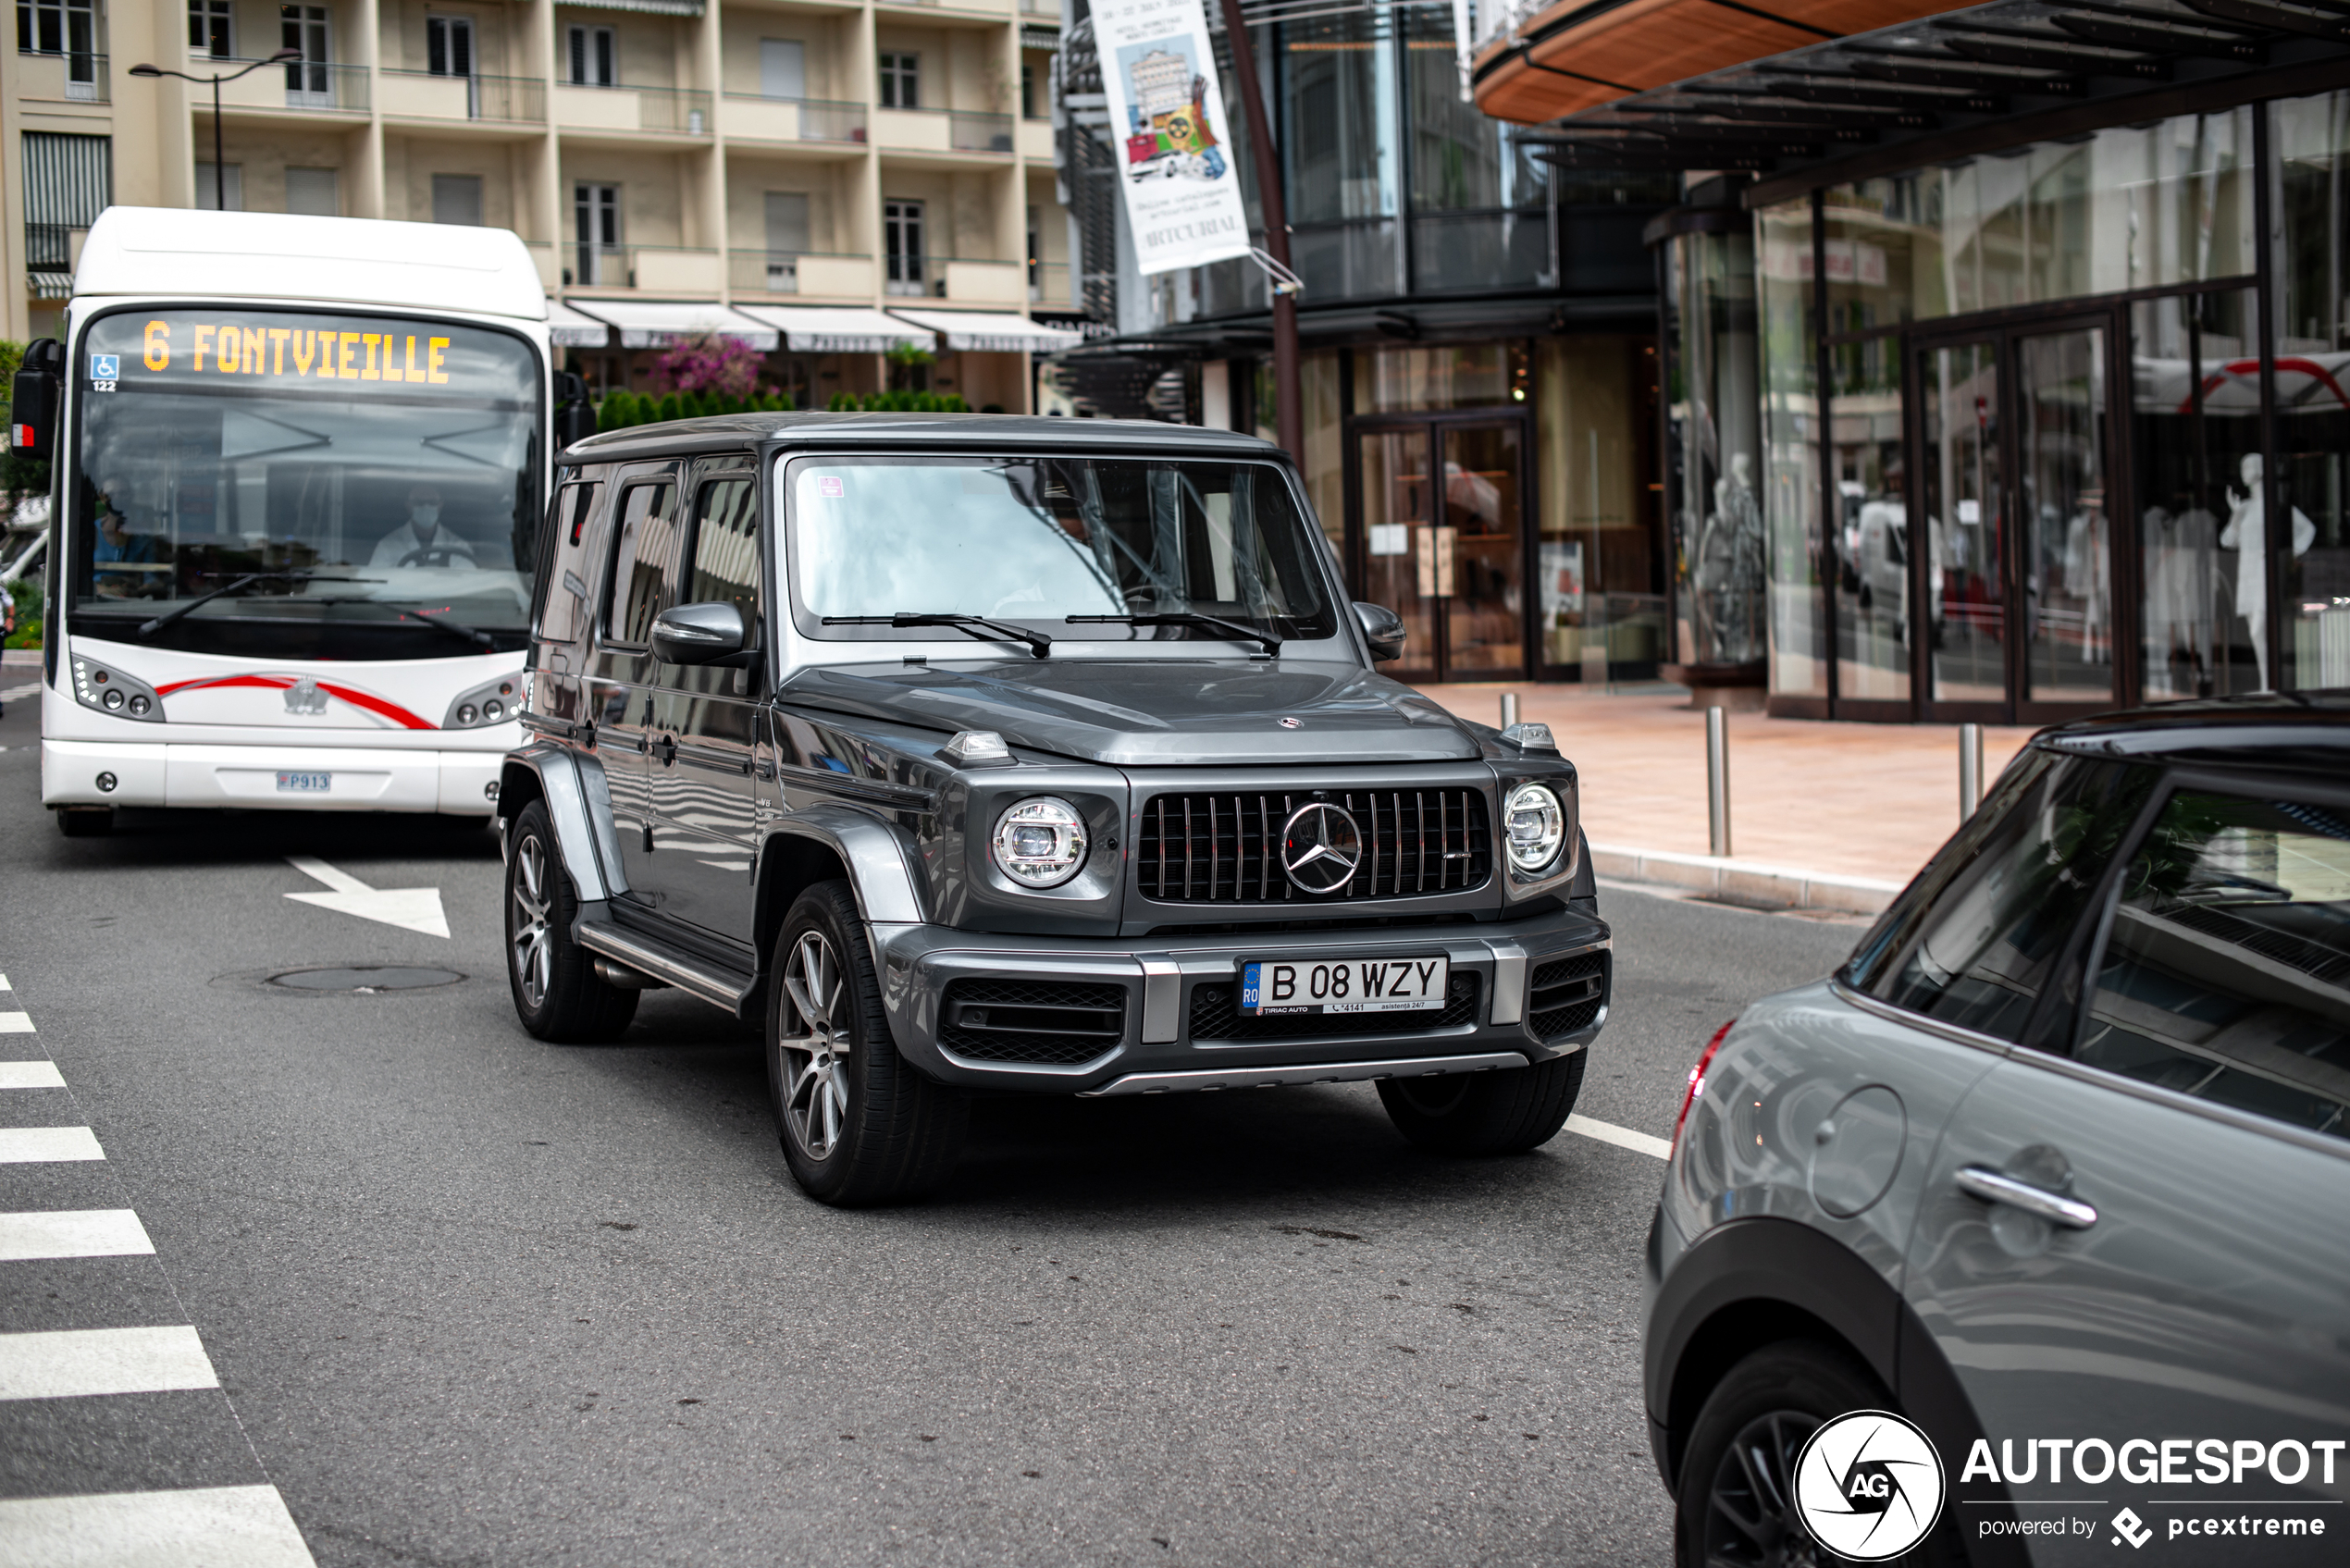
(320, 474)
(1035, 540)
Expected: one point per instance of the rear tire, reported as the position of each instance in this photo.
(858, 1125)
(86, 824)
(1505, 1112)
(557, 994)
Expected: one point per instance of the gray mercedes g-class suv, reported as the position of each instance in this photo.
(988, 753)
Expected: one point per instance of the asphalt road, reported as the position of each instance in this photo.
(473, 1299)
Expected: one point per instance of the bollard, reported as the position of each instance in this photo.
(1509, 709)
(1718, 779)
(1970, 770)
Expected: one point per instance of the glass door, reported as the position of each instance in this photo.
(1398, 542)
(1964, 506)
(2066, 540)
(1444, 543)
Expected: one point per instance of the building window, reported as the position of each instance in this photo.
(596, 214)
(1028, 91)
(68, 180)
(448, 45)
(314, 193)
(456, 198)
(67, 28)
(902, 243)
(901, 81)
(787, 240)
(309, 81)
(783, 68)
(212, 28)
(592, 57)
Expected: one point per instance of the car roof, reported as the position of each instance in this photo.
(2309, 729)
(911, 431)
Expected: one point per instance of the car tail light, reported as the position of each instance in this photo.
(1697, 1082)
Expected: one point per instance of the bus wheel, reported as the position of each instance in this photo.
(85, 823)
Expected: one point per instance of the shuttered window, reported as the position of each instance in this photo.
(68, 180)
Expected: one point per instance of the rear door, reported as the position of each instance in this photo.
(2132, 1238)
(643, 582)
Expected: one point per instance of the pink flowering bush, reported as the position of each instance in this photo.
(710, 364)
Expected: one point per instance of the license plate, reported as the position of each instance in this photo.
(1275, 987)
(305, 783)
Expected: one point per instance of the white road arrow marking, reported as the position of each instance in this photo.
(412, 908)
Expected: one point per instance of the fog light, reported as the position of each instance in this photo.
(489, 790)
(105, 784)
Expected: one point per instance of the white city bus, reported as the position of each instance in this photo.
(300, 464)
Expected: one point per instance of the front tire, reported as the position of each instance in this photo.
(557, 993)
(859, 1126)
(1485, 1113)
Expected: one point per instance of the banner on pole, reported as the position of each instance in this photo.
(1168, 127)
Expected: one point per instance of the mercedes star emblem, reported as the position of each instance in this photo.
(1321, 845)
(1293, 724)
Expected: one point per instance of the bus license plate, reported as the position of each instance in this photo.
(305, 783)
(1276, 987)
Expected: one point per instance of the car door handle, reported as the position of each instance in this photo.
(1997, 1187)
(666, 750)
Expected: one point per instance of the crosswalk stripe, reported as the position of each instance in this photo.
(31, 1075)
(75, 1362)
(1622, 1137)
(16, 1023)
(20, 1145)
(72, 1233)
(206, 1527)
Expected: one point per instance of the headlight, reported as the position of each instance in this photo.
(1040, 842)
(1537, 826)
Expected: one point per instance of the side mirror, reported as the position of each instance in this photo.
(40, 388)
(1382, 629)
(699, 634)
(575, 415)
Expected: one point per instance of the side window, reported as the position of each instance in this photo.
(726, 548)
(643, 561)
(562, 591)
(2226, 971)
(1980, 951)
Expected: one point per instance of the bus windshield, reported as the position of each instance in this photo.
(327, 486)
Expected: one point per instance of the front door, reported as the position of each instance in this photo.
(2016, 574)
(1441, 539)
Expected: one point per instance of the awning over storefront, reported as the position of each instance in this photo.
(569, 330)
(817, 330)
(973, 331)
(655, 324)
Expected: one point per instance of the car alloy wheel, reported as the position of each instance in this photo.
(816, 1053)
(1750, 1511)
(532, 943)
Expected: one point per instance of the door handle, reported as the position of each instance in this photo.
(666, 749)
(1981, 1181)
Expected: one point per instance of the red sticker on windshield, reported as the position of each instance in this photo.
(828, 486)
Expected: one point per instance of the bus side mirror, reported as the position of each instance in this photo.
(575, 415)
(40, 388)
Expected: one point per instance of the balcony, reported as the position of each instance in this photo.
(64, 77)
(655, 269)
(304, 84)
(755, 117)
(516, 100)
(943, 130)
(672, 110)
(826, 274)
(1048, 285)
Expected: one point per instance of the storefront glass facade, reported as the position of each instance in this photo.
(2052, 434)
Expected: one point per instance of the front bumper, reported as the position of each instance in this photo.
(1160, 985)
(74, 772)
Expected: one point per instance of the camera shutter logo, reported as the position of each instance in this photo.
(1321, 845)
(1869, 1486)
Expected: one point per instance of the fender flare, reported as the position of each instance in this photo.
(880, 876)
(555, 773)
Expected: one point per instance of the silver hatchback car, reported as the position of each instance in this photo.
(2056, 1169)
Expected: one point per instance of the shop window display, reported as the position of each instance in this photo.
(1872, 534)
(1789, 473)
(1598, 601)
(1718, 541)
(2309, 139)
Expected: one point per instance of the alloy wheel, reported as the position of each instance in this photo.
(814, 1047)
(1750, 1509)
(532, 946)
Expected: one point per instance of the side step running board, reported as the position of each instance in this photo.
(695, 976)
(1276, 1078)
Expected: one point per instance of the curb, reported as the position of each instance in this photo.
(1742, 882)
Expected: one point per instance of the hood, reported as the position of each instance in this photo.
(1159, 712)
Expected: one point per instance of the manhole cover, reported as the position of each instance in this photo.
(387, 978)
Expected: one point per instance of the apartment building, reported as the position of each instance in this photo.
(783, 170)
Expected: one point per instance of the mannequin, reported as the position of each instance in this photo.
(2247, 535)
(1731, 562)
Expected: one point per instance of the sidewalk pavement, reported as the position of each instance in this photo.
(1827, 816)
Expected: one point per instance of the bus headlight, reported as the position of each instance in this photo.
(489, 703)
(113, 693)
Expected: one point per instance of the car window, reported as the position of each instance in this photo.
(1979, 952)
(726, 548)
(2226, 968)
(562, 592)
(642, 562)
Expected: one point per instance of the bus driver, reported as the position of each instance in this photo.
(421, 541)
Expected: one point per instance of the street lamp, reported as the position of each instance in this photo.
(219, 170)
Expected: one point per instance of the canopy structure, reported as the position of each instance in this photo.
(567, 329)
(655, 324)
(973, 331)
(818, 329)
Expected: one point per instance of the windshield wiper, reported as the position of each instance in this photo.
(471, 633)
(1191, 618)
(149, 628)
(1038, 643)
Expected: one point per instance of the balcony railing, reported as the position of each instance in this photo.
(943, 130)
(425, 95)
(757, 117)
(301, 84)
(1049, 283)
(74, 76)
(658, 269)
(1040, 7)
(827, 273)
(678, 110)
(979, 134)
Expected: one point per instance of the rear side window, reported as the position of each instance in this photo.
(644, 563)
(563, 590)
(2226, 968)
(726, 549)
(1979, 951)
